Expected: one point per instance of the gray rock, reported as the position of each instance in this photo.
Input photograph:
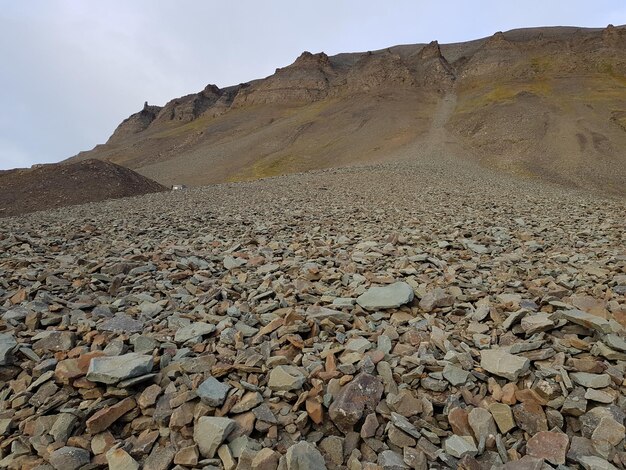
(121, 322)
(482, 423)
(315, 312)
(286, 378)
(596, 463)
(69, 458)
(111, 370)
(459, 446)
(391, 296)
(455, 375)
(195, 330)
(591, 380)
(404, 424)
(587, 320)
(209, 433)
(503, 364)
(615, 342)
(16, 314)
(213, 392)
(304, 456)
(54, 340)
(7, 346)
(390, 460)
(233, 263)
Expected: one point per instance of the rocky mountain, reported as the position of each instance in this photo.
(543, 102)
(58, 185)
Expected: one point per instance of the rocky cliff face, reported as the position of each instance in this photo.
(532, 101)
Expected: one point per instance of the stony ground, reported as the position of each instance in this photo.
(384, 318)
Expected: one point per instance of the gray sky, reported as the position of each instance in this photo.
(71, 70)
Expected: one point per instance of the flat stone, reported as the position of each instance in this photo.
(286, 378)
(247, 402)
(459, 446)
(54, 340)
(231, 262)
(266, 459)
(213, 392)
(532, 324)
(503, 364)
(596, 463)
(436, 298)
(609, 431)
(482, 423)
(591, 380)
(455, 375)
(575, 404)
(391, 296)
(525, 463)
(315, 312)
(615, 342)
(390, 460)
(304, 456)
(599, 396)
(403, 424)
(111, 370)
(503, 416)
(195, 330)
(551, 446)
(105, 417)
(69, 458)
(358, 345)
(587, 320)
(119, 459)
(209, 433)
(363, 393)
(121, 322)
(63, 426)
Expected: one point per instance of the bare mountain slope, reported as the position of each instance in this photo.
(542, 102)
(52, 186)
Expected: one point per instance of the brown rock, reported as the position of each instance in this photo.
(551, 446)
(362, 393)
(508, 394)
(458, 419)
(187, 456)
(530, 417)
(266, 459)
(314, 410)
(149, 396)
(105, 417)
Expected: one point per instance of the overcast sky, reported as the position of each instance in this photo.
(71, 70)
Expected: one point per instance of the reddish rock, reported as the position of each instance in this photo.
(551, 446)
(105, 417)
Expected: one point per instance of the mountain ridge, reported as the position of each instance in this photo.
(542, 102)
